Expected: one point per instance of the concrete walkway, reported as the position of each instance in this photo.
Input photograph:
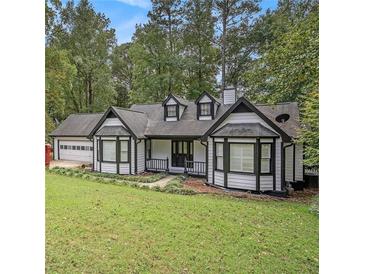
(161, 183)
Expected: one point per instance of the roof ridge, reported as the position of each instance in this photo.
(121, 108)
(86, 113)
(281, 103)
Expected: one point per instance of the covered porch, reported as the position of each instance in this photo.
(177, 155)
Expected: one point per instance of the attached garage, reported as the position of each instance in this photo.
(70, 142)
(76, 150)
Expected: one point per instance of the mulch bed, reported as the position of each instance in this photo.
(200, 186)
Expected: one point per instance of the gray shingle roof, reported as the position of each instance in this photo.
(292, 126)
(148, 120)
(77, 125)
(244, 130)
(112, 131)
(135, 120)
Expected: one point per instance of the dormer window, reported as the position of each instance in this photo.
(172, 111)
(206, 106)
(205, 109)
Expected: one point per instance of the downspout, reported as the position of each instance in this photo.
(283, 163)
(206, 158)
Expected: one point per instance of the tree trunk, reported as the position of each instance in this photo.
(90, 93)
(171, 51)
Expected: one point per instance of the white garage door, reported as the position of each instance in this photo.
(76, 151)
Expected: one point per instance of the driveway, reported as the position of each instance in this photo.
(68, 164)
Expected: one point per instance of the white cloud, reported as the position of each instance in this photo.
(139, 3)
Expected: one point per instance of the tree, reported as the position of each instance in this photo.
(150, 57)
(89, 39)
(122, 70)
(287, 64)
(234, 20)
(166, 15)
(310, 129)
(200, 56)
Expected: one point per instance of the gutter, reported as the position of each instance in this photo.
(283, 163)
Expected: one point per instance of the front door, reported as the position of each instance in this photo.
(181, 150)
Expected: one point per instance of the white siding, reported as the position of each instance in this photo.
(219, 178)
(171, 119)
(288, 163)
(266, 183)
(112, 122)
(278, 164)
(205, 99)
(140, 156)
(170, 102)
(298, 162)
(133, 162)
(210, 160)
(123, 168)
(55, 149)
(181, 111)
(241, 181)
(205, 118)
(108, 167)
(241, 140)
(229, 96)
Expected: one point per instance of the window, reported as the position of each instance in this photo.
(219, 156)
(171, 111)
(242, 157)
(109, 151)
(266, 158)
(78, 147)
(82, 147)
(61, 146)
(205, 109)
(123, 151)
(73, 147)
(97, 150)
(148, 147)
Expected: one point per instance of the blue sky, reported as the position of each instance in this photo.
(125, 14)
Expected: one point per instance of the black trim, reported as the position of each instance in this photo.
(285, 136)
(129, 156)
(225, 160)
(172, 96)
(135, 156)
(215, 156)
(117, 156)
(102, 119)
(210, 97)
(176, 112)
(102, 152)
(294, 162)
(93, 156)
(100, 149)
(174, 137)
(273, 156)
(200, 109)
(258, 163)
(214, 163)
(145, 154)
(206, 159)
(53, 149)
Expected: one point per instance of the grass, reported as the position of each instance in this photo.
(102, 228)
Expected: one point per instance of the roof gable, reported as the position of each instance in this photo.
(177, 99)
(204, 93)
(252, 108)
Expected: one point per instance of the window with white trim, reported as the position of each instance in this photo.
(219, 156)
(123, 151)
(265, 158)
(109, 151)
(242, 158)
(205, 109)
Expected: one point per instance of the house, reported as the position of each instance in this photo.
(230, 141)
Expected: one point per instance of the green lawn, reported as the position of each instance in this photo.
(100, 228)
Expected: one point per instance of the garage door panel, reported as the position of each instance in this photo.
(76, 151)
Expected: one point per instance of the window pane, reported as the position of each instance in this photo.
(265, 150)
(242, 157)
(171, 111)
(109, 151)
(219, 149)
(265, 165)
(205, 109)
(185, 148)
(124, 151)
(220, 163)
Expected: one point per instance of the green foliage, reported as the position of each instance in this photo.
(310, 130)
(103, 228)
(314, 208)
